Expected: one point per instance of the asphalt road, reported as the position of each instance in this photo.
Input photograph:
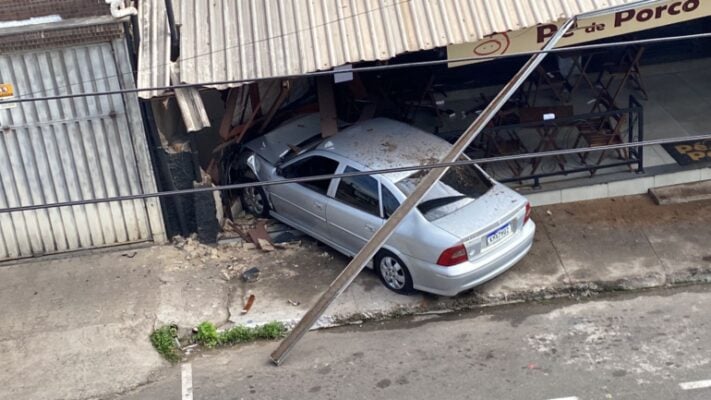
(652, 345)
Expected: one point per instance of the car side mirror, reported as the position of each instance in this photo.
(280, 171)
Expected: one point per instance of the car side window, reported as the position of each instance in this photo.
(360, 192)
(312, 166)
(390, 203)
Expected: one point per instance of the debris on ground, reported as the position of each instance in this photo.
(239, 229)
(265, 245)
(229, 273)
(248, 305)
(130, 254)
(189, 348)
(294, 303)
(178, 242)
(259, 231)
(549, 212)
(250, 275)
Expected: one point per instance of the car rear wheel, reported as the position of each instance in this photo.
(393, 272)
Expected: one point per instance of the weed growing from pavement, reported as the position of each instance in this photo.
(164, 341)
(206, 335)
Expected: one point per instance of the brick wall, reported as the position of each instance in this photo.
(11, 10)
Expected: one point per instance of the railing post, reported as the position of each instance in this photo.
(640, 149)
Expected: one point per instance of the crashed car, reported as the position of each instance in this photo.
(466, 231)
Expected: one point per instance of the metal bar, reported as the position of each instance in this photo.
(640, 132)
(413, 168)
(358, 262)
(563, 120)
(174, 33)
(537, 177)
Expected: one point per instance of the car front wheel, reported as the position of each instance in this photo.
(254, 200)
(393, 272)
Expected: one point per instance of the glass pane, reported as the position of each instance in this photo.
(312, 166)
(390, 203)
(360, 192)
(458, 187)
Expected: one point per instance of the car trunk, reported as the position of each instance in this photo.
(483, 217)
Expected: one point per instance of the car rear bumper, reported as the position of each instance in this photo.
(452, 280)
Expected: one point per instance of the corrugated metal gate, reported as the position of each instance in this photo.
(73, 149)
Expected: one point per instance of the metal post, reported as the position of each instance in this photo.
(381, 235)
(640, 131)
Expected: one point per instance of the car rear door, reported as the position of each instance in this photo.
(354, 214)
(304, 205)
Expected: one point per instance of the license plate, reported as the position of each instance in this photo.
(498, 235)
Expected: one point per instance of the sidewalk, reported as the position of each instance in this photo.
(83, 320)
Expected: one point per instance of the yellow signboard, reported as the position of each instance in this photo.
(588, 30)
(7, 91)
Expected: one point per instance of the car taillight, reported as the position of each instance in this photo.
(453, 256)
(528, 213)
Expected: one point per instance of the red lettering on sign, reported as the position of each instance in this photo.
(546, 31)
(646, 14)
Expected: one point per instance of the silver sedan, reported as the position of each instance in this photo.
(466, 231)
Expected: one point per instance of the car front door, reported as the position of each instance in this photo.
(354, 214)
(304, 205)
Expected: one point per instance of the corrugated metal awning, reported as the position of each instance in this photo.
(247, 39)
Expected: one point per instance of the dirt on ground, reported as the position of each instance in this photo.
(628, 212)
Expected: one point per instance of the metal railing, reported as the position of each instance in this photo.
(633, 132)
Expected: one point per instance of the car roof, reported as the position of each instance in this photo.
(383, 143)
(275, 144)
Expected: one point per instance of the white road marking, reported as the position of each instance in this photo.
(696, 385)
(567, 398)
(186, 374)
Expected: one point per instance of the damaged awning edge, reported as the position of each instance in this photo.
(225, 41)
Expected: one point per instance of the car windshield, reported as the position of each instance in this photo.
(458, 187)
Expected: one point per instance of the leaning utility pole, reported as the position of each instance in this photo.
(358, 262)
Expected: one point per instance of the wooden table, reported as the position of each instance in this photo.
(548, 129)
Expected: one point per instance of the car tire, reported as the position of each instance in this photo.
(254, 198)
(393, 272)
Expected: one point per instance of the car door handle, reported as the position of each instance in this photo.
(370, 228)
(318, 206)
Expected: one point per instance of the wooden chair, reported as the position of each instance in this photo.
(542, 79)
(503, 142)
(627, 67)
(602, 131)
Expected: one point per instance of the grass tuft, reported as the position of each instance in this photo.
(244, 334)
(270, 331)
(163, 340)
(207, 335)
